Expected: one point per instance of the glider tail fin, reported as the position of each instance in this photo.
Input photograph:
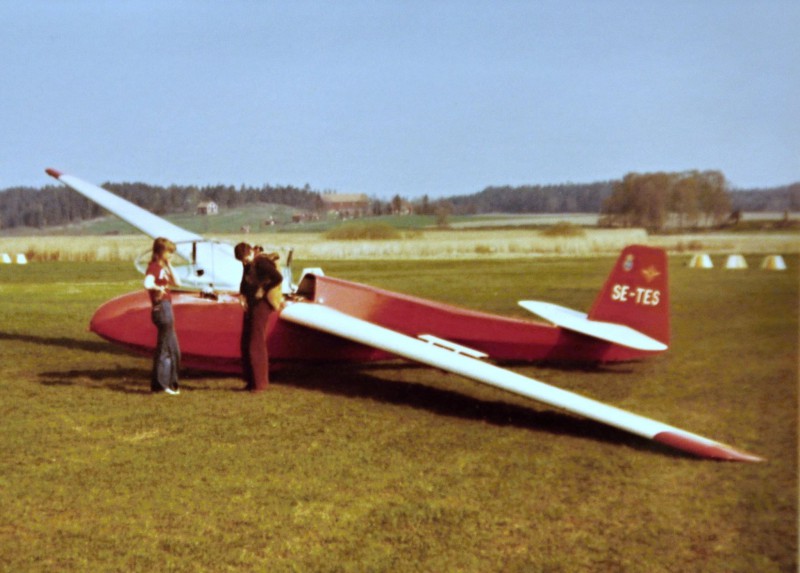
(636, 293)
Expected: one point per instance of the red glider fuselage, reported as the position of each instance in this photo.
(209, 330)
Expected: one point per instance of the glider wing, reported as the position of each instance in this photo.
(211, 264)
(331, 321)
(148, 223)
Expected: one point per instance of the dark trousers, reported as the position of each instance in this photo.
(167, 358)
(244, 348)
(257, 346)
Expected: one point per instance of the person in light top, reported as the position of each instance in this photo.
(159, 277)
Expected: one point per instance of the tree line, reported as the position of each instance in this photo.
(777, 199)
(57, 205)
(564, 198)
(650, 200)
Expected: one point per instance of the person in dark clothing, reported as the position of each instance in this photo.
(260, 296)
(245, 253)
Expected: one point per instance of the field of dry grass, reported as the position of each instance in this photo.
(423, 245)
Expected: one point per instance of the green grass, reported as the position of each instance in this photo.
(256, 215)
(392, 467)
(355, 231)
(564, 230)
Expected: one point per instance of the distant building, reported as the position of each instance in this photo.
(406, 208)
(348, 205)
(207, 208)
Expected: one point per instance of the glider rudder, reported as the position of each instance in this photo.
(636, 293)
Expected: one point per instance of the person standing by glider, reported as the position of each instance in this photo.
(159, 277)
(245, 253)
(260, 296)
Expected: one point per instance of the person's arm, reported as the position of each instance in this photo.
(156, 292)
(266, 274)
(272, 277)
(244, 288)
(272, 288)
(150, 281)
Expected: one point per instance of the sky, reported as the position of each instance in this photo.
(412, 97)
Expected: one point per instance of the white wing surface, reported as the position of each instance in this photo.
(334, 322)
(148, 223)
(579, 322)
(211, 264)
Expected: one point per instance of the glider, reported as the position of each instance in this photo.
(333, 320)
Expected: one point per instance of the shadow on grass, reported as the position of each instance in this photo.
(127, 380)
(572, 366)
(121, 379)
(356, 382)
(64, 342)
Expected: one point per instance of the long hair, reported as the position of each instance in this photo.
(161, 246)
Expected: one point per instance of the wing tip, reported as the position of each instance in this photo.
(53, 172)
(705, 449)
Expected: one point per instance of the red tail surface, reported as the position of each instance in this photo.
(636, 293)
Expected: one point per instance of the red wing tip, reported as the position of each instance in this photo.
(704, 449)
(53, 172)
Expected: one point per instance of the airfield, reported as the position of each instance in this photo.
(393, 466)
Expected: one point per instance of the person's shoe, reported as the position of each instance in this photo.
(172, 392)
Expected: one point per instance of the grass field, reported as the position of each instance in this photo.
(393, 467)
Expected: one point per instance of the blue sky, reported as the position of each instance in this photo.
(391, 97)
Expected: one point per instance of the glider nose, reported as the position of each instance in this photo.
(53, 172)
(125, 320)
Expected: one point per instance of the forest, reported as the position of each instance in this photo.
(637, 199)
(565, 198)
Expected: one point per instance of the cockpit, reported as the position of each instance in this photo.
(210, 265)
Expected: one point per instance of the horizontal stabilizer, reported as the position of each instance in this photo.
(579, 322)
(332, 321)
